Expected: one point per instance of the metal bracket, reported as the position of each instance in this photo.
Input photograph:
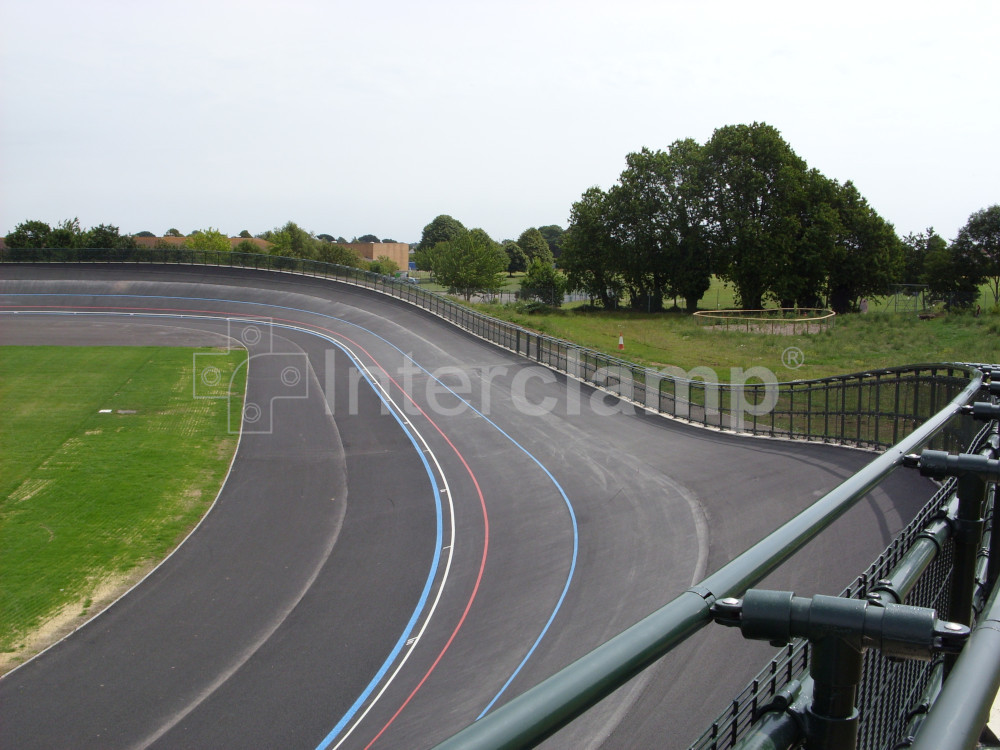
(941, 464)
(897, 630)
(984, 411)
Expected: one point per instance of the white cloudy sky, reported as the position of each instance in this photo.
(374, 116)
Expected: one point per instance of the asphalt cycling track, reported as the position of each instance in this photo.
(417, 526)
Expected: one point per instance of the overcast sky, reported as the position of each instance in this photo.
(375, 116)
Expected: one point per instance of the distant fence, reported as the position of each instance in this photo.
(784, 321)
(944, 558)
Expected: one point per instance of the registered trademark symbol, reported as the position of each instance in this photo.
(793, 358)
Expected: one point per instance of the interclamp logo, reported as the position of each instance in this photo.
(697, 394)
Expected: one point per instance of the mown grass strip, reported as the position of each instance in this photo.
(106, 462)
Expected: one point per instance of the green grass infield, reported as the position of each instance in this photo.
(109, 456)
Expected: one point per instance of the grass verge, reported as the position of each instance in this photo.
(855, 343)
(106, 462)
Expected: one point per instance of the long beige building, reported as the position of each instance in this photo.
(394, 251)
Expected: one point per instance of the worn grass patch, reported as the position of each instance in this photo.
(106, 462)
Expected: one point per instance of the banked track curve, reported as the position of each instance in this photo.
(423, 471)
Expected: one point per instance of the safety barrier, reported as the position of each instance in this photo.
(942, 560)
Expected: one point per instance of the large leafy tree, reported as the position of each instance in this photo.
(916, 247)
(543, 283)
(106, 236)
(534, 245)
(553, 234)
(756, 184)
(469, 263)
(339, 253)
(29, 234)
(517, 261)
(683, 226)
(949, 276)
(209, 240)
(293, 241)
(978, 246)
(803, 280)
(443, 228)
(637, 206)
(867, 257)
(590, 253)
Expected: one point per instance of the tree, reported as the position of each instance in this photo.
(387, 240)
(950, 277)
(681, 228)
(443, 229)
(634, 212)
(867, 257)
(553, 234)
(339, 253)
(978, 246)
(534, 245)
(67, 234)
(589, 251)
(368, 238)
(245, 234)
(29, 234)
(246, 246)
(544, 283)
(208, 240)
(106, 237)
(517, 261)
(803, 280)
(756, 180)
(172, 233)
(469, 264)
(144, 233)
(293, 241)
(383, 264)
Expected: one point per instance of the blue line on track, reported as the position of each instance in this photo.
(566, 500)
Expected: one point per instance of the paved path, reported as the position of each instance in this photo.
(386, 564)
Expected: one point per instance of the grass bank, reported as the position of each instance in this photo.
(107, 462)
(854, 343)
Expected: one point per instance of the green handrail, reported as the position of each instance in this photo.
(544, 709)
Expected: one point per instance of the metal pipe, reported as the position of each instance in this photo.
(781, 725)
(962, 709)
(896, 586)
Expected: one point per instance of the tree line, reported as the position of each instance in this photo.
(744, 207)
(468, 261)
(289, 240)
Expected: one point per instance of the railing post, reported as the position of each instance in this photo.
(833, 716)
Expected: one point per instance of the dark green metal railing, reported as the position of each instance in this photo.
(898, 410)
